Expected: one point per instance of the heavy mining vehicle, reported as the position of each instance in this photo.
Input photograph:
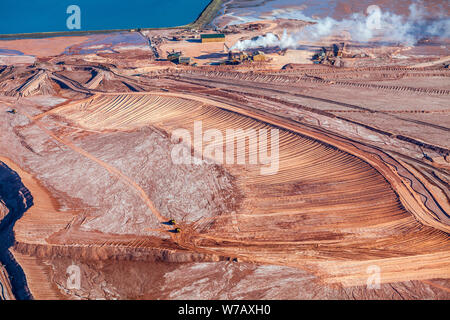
(330, 56)
(174, 56)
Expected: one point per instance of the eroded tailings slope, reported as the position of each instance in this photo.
(325, 209)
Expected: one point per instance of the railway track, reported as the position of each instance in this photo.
(391, 111)
(361, 75)
(281, 79)
(327, 70)
(279, 91)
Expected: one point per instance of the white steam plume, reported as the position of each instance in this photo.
(268, 40)
(383, 25)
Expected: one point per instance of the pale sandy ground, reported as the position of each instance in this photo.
(5, 285)
(40, 284)
(196, 49)
(242, 10)
(42, 47)
(48, 215)
(45, 208)
(302, 55)
(3, 210)
(16, 59)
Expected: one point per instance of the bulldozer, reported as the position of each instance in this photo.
(174, 56)
(172, 222)
(176, 230)
(12, 111)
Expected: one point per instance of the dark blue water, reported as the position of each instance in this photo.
(27, 16)
(13, 193)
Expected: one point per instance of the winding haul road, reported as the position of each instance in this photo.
(403, 182)
(391, 169)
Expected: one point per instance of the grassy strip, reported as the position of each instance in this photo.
(207, 15)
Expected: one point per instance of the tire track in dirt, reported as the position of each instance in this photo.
(123, 110)
(112, 170)
(347, 105)
(175, 237)
(282, 79)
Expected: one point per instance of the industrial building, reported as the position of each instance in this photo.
(212, 37)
